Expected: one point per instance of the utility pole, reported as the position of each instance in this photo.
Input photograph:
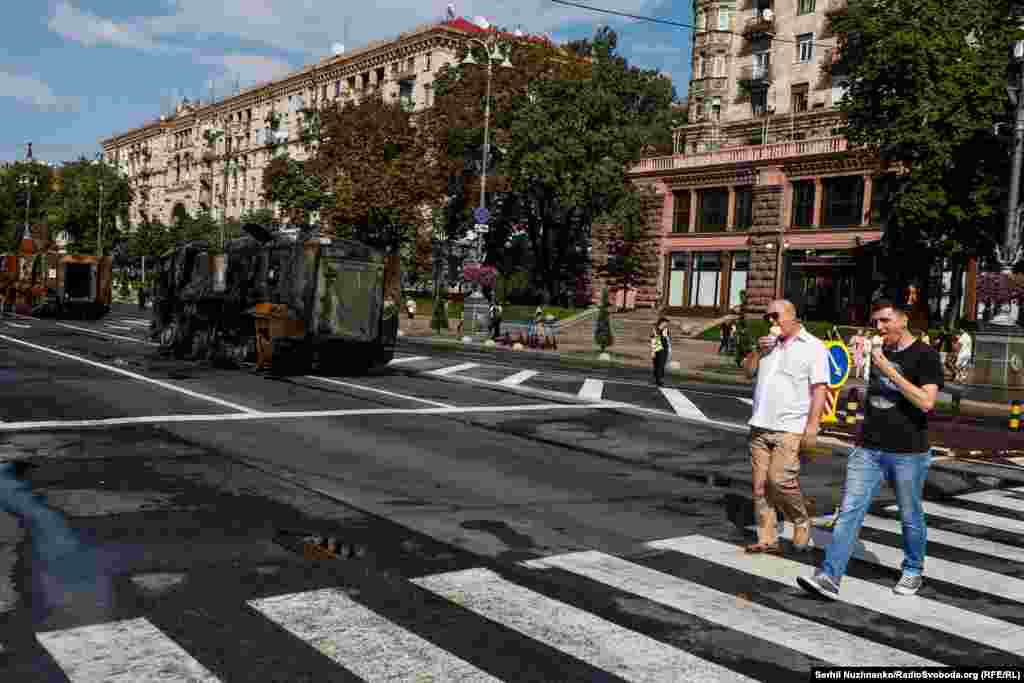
(99, 231)
(1011, 239)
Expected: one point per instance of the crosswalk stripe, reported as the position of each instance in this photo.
(748, 401)
(726, 610)
(682, 405)
(937, 568)
(922, 611)
(362, 641)
(1000, 498)
(118, 327)
(451, 370)
(589, 638)
(518, 378)
(122, 652)
(970, 516)
(24, 327)
(980, 546)
(592, 389)
(406, 359)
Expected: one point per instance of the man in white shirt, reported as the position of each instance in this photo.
(791, 366)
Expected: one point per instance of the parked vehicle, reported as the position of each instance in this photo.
(287, 302)
(81, 288)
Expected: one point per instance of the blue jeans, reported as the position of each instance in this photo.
(865, 470)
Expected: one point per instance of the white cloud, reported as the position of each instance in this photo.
(32, 91)
(249, 69)
(91, 31)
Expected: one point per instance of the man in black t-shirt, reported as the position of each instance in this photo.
(905, 379)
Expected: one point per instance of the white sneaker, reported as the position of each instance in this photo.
(908, 585)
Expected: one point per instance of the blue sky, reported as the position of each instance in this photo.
(75, 71)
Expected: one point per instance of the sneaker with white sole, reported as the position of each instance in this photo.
(819, 584)
(907, 585)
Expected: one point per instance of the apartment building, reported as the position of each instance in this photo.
(761, 194)
(171, 162)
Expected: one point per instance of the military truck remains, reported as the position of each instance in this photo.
(289, 302)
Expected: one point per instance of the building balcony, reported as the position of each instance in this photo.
(405, 73)
(763, 24)
(752, 76)
(704, 86)
(743, 155)
(711, 38)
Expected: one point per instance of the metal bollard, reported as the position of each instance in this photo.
(1015, 416)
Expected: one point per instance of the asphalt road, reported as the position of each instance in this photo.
(484, 523)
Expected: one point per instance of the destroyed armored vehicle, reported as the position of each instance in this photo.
(288, 302)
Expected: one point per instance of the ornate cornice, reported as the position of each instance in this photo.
(713, 177)
(830, 164)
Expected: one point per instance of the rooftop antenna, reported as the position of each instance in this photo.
(449, 12)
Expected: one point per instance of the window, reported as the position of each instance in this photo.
(844, 201)
(337, 88)
(704, 279)
(701, 23)
(681, 211)
(714, 210)
(716, 108)
(323, 92)
(762, 61)
(744, 217)
(759, 101)
(719, 65)
(882, 190)
(840, 86)
(803, 204)
(805, 7)
(738, 280)
(678, 262)
(798, 97)
(724, 16)
(702, 65)
(426, 66)
(805, 47)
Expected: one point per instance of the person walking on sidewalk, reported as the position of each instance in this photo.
(661, 346)
(791, 367)
(906, 378)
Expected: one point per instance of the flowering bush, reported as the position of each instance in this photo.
(485, 276)
(999, 288)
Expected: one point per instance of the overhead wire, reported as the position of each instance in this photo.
(670, 22)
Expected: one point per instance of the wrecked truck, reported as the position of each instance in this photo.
(288, 302)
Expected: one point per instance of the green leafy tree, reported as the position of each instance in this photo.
(14, 200)
(603, 327)
(75, 207)
(927, 83)
(630, 242)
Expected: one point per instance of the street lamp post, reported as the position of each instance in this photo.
(493, 53)
(28, 182)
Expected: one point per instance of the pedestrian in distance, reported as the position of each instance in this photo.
(859, 348)
(661, 345)
(725, 330)
(494, 313)
(893, 444)
(791, 369)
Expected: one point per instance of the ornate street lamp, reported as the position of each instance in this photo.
(28, 182)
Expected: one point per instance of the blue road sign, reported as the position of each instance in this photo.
(838, 364)
(482, 215)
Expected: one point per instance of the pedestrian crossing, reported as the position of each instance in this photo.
(689, 608)
(704, 406)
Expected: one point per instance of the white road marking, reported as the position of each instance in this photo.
(451, 370)
(933, 614)
(407, 359)
(372, 647)
(122, 652)
(118, 327)
(518, 378)
(969, 516)
(133, 375)
(724, 609)
(592, 389)
(748, 401)
(980, 546)
(681, 404)
(1000, 498)
(383, 392)
(107, 334)
(24, 327)
(589, 638)
(244, 417)
(937, 568)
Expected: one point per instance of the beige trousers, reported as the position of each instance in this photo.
(775, 462)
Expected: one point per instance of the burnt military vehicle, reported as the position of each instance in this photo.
(291, 302)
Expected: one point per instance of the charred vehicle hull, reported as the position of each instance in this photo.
(288, 305)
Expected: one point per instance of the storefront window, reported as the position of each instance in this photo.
(744, 208)
(714, 210)
(844, 201)
(705, 279)
(738, 279)
(677, 277)
(882, 188)
(803, 203)
(681, 211)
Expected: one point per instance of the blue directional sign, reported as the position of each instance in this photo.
(482, 215)
(838, 364)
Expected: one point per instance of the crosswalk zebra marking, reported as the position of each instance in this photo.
(364, 642)
(980, 546)
(451, 370)
(1008, 499)
(518, 378)
(122, 328)
(19, 325)
(964, 575)
(970, 516)
(122, 652)
(681, 404)
(592, 389)
(748, 401)
(589, 638)
(780, 628)
(407, 359)
(933, 614)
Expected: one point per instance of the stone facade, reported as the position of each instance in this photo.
(645, 294)
(170, 163)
